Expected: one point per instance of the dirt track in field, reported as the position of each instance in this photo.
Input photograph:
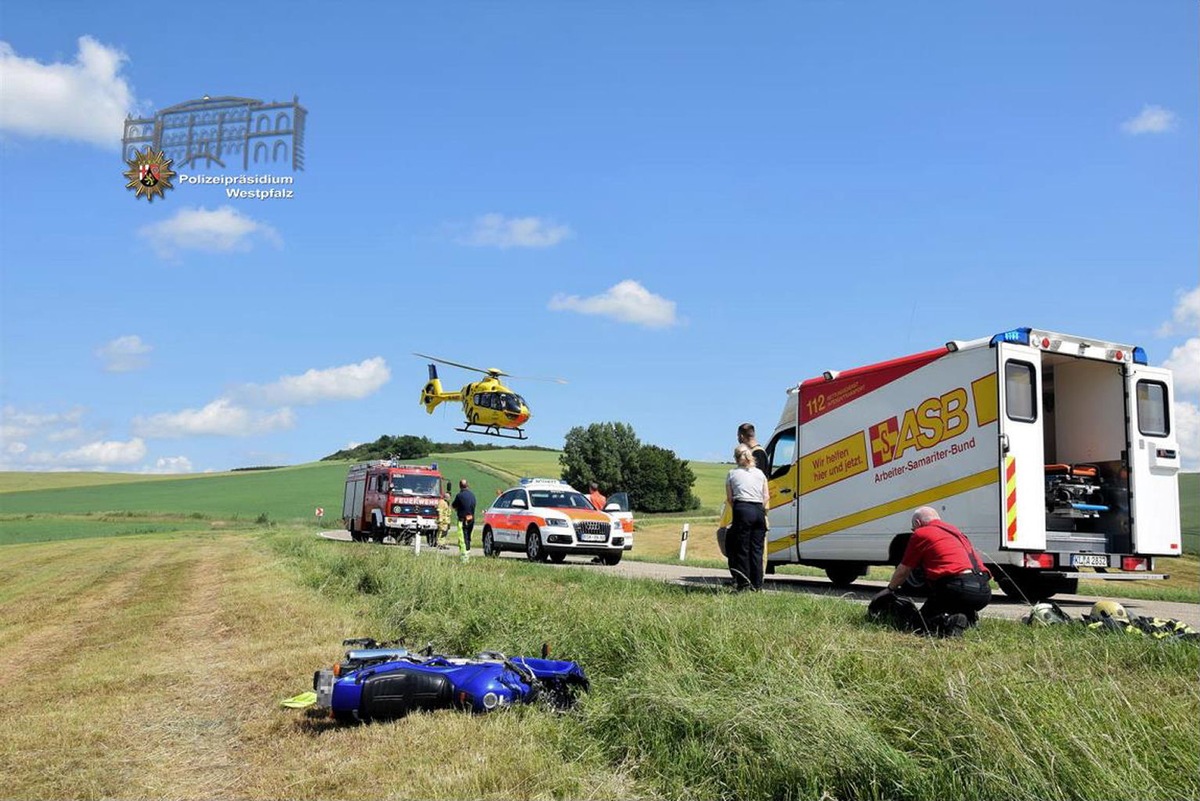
(688, 575)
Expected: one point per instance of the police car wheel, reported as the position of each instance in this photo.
(489, 542)
(533, 546)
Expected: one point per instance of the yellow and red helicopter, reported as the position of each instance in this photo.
(491, 408)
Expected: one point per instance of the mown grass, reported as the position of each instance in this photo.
(707, 695)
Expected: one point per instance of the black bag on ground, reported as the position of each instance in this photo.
(896, 611)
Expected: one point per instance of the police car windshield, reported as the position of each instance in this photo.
(557, 499)
(416, 485)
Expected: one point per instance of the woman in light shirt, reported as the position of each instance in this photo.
(747, 494)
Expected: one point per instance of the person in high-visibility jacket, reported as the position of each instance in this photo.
(443, 523)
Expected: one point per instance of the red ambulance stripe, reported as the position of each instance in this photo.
(1011, 470)
(818, 396)
(1012, 531)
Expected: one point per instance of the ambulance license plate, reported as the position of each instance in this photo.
(1089, 560)
(593, 537)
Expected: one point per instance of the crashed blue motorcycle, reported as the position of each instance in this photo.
(385, 681)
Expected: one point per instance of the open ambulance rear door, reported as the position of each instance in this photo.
(1022, 448)
(1153, 461)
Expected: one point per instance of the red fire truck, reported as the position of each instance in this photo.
(388, 499)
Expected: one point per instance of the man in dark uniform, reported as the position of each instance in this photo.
(464, 508)
(745, 437)
(958, 582)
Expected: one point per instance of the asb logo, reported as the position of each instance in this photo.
(883, 438)
(934, 421)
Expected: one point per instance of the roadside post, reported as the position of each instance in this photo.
(417, 542)
(683, 543)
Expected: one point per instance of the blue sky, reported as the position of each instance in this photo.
(682, 209)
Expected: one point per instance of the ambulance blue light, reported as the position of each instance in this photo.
(1017, 335)
(1139, 356)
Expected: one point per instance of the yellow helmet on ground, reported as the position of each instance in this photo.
(1109, 609)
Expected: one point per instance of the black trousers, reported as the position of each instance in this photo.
(965, 594)
(744, 543)
(467, 527)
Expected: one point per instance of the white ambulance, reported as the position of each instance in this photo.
(1055, 454)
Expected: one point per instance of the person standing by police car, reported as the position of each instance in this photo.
(464, 508)
(747, 494)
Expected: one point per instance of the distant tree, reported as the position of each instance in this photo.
(662, 482)
(611, 455)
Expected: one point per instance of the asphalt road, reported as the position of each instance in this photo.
(688, 575)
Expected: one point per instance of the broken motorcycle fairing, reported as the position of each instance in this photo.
(380, 681)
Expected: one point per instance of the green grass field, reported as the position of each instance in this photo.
(684, 703)
(1189, 511)
(284, 494)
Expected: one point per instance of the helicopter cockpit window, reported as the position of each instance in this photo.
(510, 403)
(557, 499)
(416, 485)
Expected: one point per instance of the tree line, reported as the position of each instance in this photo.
(406, 446)
(609, 454)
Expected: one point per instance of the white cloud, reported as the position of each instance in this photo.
(104, 454)
(349, 382)
(16, 448)
(1151, 120)
(1187, 433)
(1184, 362)
(124, 354)
(222, 230)
(222, 418)
(171, 464)
(1185, 318)
(498, 231)
(16, 424)
(85, 100)
(628, 301)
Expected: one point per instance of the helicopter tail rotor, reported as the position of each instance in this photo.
(431, 393)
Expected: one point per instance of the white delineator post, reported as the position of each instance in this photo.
(683, 543)
(417, 542)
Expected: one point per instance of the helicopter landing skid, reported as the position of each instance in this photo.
(492, 431)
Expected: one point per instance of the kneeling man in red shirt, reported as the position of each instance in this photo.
(958, 581)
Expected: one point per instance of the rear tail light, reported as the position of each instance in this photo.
(1039, 560)
(1135, 563)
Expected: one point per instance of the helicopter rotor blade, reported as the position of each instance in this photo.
(537, 378)
(463, 366)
